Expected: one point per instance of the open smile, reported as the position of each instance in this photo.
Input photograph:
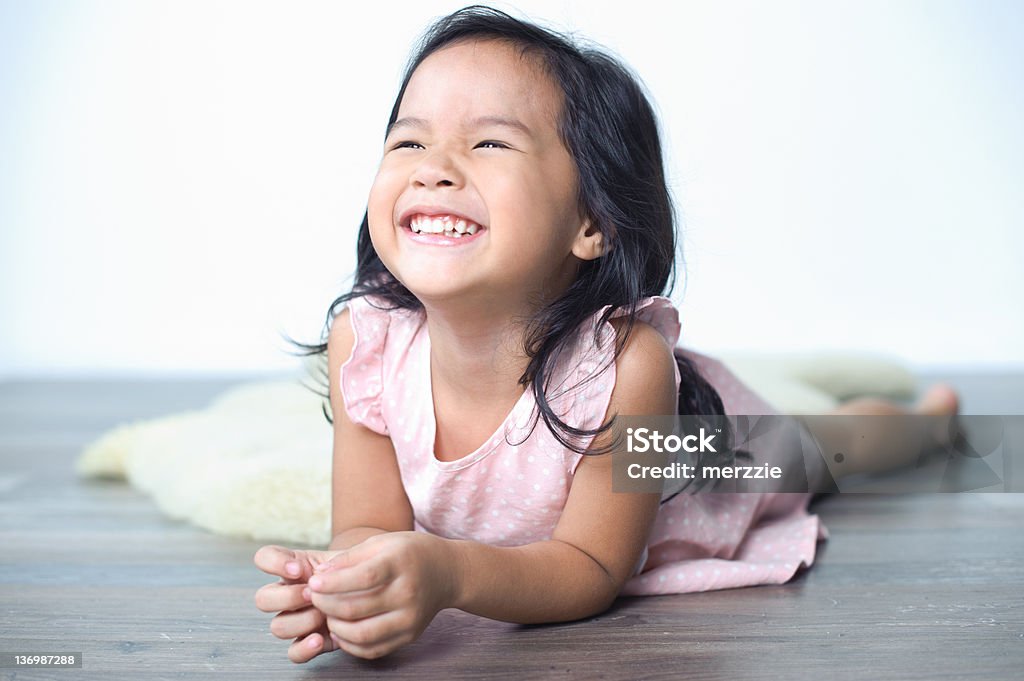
(442, 230)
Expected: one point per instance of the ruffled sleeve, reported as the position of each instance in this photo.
(362, 374)
(592, 398)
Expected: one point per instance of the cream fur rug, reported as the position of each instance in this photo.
(256, 463)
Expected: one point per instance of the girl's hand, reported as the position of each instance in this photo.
(297, 618)
(382, 593)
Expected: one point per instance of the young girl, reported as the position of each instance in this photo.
(508, 304)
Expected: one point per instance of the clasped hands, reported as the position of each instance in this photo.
(367, 600)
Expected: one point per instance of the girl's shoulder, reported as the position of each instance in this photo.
(374, 320)
(659, 312)
(379, 309)
(592, 367)
(383, 336)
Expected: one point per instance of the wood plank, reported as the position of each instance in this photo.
(923, 586)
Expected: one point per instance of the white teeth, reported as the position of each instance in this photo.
(443, 225)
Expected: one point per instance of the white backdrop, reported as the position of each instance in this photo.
(181, 182)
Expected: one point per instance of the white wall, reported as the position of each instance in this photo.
(181, 182)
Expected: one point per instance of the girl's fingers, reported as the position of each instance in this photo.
(351, 607)
(308, 647)
(366, 575)
(366, 631)
(371, 635)
(297, 623)
(279, 596)
(292, 566)
(280, 562)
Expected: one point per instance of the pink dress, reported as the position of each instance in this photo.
(512, 489)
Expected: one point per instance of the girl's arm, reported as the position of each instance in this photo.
(382, 593)
(368, 499)
(367, 493)
(600, 535)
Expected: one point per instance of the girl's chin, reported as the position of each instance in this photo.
(439, 294)
(440, 290)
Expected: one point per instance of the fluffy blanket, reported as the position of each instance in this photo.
(256, 463)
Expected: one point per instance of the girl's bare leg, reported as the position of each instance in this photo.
(853, 446)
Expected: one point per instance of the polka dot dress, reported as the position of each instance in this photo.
(511, 490)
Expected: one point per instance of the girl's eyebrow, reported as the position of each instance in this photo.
(481, 121)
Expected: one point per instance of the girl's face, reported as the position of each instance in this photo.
(476, 137)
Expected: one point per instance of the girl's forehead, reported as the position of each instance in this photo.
(482, 76)
(483, 57)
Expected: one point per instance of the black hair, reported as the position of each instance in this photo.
(610, 130)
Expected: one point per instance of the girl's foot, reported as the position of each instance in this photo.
(939, 400)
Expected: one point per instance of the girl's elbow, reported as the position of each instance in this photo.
(600, 602)
(605, 594)
(606, 602)
(605, 586)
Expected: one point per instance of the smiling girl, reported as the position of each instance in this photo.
(509, 303)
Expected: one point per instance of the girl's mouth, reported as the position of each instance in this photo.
(442, 231)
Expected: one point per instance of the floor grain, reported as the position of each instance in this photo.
(926, 586)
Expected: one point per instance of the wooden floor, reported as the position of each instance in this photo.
(908, 587)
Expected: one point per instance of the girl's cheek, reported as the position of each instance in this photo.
(386, 187)
(381, 201)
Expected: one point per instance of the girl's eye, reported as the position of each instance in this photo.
(485, 144)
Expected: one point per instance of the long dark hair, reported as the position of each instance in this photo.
(609, 128)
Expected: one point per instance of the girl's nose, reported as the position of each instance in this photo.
(436, 170)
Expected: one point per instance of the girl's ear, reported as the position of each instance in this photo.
(589, 244)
